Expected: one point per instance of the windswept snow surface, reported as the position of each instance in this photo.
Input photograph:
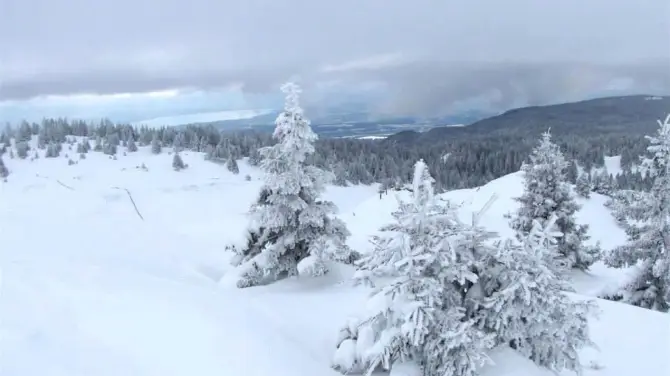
(89, 288)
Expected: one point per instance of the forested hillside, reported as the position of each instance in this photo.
(458, 157)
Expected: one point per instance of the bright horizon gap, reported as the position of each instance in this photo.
(167, 93)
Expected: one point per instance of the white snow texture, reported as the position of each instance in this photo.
(92, 283)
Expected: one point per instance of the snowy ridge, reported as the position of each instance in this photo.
(89, 288)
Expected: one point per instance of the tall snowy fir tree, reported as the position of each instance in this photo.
(648, 247)
(454, 294)
(547, 192)
(291, 227)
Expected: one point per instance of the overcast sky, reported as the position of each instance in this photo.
(428, 54)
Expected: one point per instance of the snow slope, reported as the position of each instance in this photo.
(612, 166)
(90, 288)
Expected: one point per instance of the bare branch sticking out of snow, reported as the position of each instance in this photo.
(64, 185)
(57, 181)
(132, 201)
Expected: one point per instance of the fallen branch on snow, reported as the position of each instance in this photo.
(64, 185)
(56, 180)
(132, 201)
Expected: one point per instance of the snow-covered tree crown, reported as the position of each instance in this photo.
(422, 183)
(548, 152)
(292, 127)
(659, 147)
(285, 162)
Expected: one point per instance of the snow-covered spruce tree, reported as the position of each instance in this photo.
(156, 144)
(628, 207)
(420, 316)
(178, 142)
(177, 162)
(547, 192)
(81, 149)
(289, 224)
(131, 146)
(98, 144)
(86, 145)
(524, 301)
(649, 247)
(453, 296)
(4, 171)
(602, 182)
(22, 149)
(110, 144)
(52, 151)
(254, 157)
(232, 166)
(583, 185)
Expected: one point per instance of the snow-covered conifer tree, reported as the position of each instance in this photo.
(254, 157)
(178, 142)
(628, 207)
(22, 149)
(454, 296)
(420, 315)
(156, 144)
(131, 146)
(177, 162)
(86, 144)
(547, 192)
(602, 182)
(232, 166)
(290, 224)
(525, 304)
(649, 247)
(52, 151)
(110, 144)
(98, 144)
(81, 149)
(583, 185)
(4, 171)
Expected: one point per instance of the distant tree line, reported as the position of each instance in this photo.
(454, 163)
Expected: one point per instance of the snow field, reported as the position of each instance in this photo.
(89, 288)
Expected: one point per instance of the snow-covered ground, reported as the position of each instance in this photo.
(90, 288)
(612, 166)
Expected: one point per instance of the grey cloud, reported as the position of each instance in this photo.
(433, 89)
(112, 81)
(506, 51)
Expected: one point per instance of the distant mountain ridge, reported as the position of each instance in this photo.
(607, 114)
(344, 123)
(627, 114)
